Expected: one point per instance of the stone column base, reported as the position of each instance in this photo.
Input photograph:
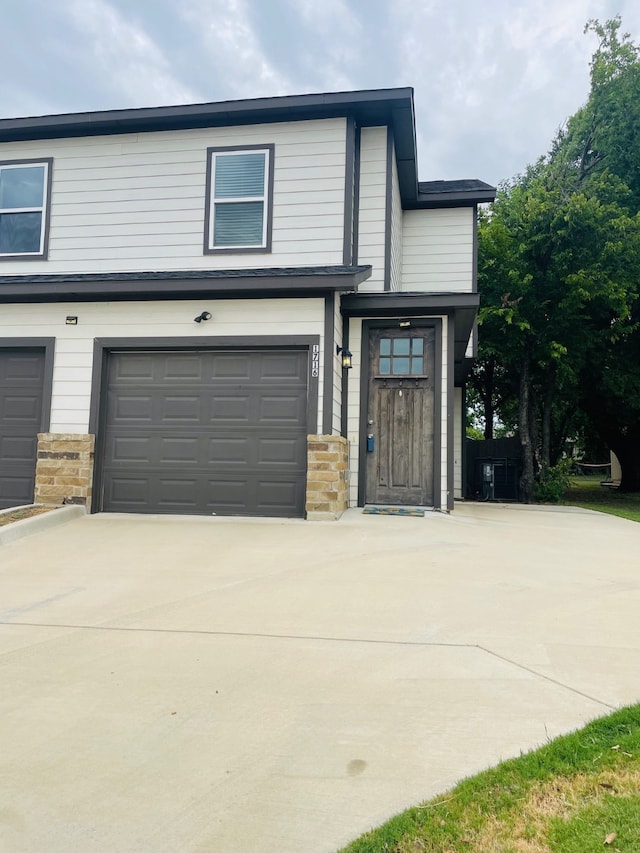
(64, 470)
(327, 477)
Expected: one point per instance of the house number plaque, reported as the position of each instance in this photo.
(315, 360)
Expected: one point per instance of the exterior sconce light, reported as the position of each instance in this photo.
(204, 316)
(404, 324)
(346, 357)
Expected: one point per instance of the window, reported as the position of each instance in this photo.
(401, 357)
(239, 199)
(25, 189)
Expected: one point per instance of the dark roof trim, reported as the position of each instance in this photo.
(262, 283)
(406, 304)
(464, 193)
(368, 107)
(462, 307)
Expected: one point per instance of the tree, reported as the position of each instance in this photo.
(559, 265)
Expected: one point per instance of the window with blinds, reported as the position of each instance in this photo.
(24, 202)
(239, 199)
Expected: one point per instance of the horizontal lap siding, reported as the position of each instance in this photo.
(371, 214)
(396, 229)
(136, 202)
(73, 362)
(437, 250)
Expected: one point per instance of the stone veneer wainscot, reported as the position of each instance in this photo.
(64, 470)
(327, 477)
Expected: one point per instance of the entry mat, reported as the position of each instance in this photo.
(393, 510)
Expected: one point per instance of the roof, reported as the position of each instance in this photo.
(181, 284)
(369, 108)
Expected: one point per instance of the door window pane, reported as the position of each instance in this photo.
(400, 366)
(401, 346)
(417, 346)
(417, 366)
(385, 366)
(385, 346)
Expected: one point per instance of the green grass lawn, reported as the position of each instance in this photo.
(588, 493)
(578, 794)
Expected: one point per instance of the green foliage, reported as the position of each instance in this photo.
(551, 485)
(499, 800)
(559, 274)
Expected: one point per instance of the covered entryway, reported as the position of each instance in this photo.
(22, 383)
(205, 432)
(400, 422)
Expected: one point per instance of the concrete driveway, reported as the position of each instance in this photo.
(189, 685)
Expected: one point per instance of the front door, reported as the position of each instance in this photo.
(400, 423)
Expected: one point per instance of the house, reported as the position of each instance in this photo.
(250, 307)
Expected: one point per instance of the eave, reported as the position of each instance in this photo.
(463, 307)
(182, 284)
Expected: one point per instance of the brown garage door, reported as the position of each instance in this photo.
(219, 432)
(21, 392)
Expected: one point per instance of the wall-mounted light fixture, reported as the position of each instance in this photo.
(204, 316)
(404, 324)
(346, 357)
(71, 321)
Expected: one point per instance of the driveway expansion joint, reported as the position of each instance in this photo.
(310, 638)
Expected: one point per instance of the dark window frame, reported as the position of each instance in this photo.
(46, 210)
(209, 248)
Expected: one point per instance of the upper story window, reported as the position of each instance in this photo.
(25, 190)
(239, 199)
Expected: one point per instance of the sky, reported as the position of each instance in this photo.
(493, 79)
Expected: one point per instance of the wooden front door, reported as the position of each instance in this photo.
(400, 422)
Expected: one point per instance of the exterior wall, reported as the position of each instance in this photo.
(64, 470)
(371, 215)
(136, 201)
(396, 229)
(337, 371)
(458, 442)
(327, 477)
(444, 416)
(74, 344)
(354, 411)
(437, 250)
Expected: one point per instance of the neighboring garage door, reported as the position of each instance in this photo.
(21, 393)
(217, 432)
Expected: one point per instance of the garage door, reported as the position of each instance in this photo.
(218, 432)
(21, 390)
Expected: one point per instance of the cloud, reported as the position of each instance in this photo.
(231, 49)
(131, 62)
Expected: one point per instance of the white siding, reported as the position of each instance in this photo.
(437, 250)
(372, 208)
(396, 229)
(136, 201)
(337, 371)
(74, 344)
(458, 443)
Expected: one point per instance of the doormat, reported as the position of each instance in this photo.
(393, 510)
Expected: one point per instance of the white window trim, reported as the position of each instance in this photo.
(266, 198)
(44, 209)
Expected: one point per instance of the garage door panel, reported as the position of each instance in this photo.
(21, 368)
(21, 399)
(229, 439)
(24, 407)
(229, 407)
(287, 366)
(231, 366)
(17, 449)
